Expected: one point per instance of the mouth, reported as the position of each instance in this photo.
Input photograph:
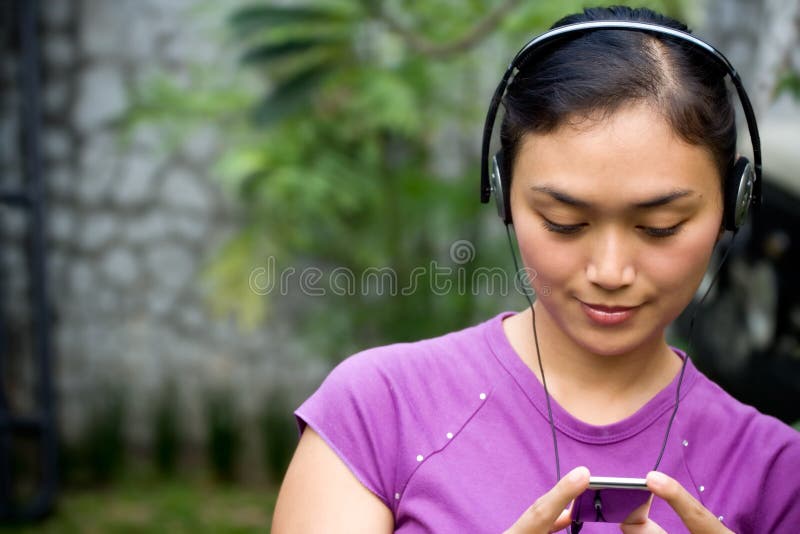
(606, 315)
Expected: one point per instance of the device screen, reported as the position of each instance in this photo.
(611, 500)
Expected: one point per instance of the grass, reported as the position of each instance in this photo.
(143, 503)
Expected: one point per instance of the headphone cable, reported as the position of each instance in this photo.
(576, 526)
(689, 348)
(538, 354)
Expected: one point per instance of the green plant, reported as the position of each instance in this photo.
(278, 436)
(364, 101)
(223, 435)
(103, 443)
(138, 503)
(70, 469)
(166, 430)
(357, 150)
(789, 82)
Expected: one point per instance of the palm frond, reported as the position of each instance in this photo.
(291, 95)
(252, 19)
(270, 51)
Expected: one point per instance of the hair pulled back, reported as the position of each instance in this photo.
(593, 74)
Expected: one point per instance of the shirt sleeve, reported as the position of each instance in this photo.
(780, 491)
(354, 413)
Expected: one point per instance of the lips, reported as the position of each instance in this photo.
(606, 315)
(609, 309)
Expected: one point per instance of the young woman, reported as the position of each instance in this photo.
(618, 144)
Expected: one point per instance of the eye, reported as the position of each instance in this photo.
(561, 228)
(662, 232)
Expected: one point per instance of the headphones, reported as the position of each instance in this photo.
(742, 184)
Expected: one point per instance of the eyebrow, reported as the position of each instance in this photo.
(566, 198)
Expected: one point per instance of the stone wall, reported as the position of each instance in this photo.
(759, 38)
(132, 221)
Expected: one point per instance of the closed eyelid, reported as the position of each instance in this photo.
(655, 230)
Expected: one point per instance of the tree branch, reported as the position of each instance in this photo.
(470, 39)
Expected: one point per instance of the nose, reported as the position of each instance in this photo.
(610, 263)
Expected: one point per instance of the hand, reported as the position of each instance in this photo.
(548, 513)
(694, 515)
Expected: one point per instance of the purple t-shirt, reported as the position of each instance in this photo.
(452, 434)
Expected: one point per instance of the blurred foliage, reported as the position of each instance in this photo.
(24, 470)
(278, 435)
(365, 150)
(353, 130)
(167, 430)
(143, 502)
(367, 154)
(223, 435)
(789, 82)
(101, 453)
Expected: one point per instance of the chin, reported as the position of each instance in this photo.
(609, 349)
(612, 341)
(615, 343)
(607, 340)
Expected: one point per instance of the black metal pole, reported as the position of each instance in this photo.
(30, 89)
(5, 428)
(7, 24)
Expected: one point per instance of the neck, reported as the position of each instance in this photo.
(581, 380)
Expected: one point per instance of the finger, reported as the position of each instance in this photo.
(639, 515)
(564, 520)
(542, 514)
(697, 518)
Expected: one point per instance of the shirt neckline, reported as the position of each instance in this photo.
(530, 385)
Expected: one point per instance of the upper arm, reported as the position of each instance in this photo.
(320, 494)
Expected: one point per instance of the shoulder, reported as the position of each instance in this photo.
(715, 412)
(415, 383)
(379, 409)
(750, 454)
(458, 358)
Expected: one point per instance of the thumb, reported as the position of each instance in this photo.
(693, 514)
(548, 512)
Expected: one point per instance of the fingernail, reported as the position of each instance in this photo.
(577, 474)
(657, 478)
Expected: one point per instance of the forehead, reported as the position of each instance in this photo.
(626, 155)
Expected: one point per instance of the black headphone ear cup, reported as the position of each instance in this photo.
(501, 188)
(739, 185)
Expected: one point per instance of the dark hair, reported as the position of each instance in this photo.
(600, 71)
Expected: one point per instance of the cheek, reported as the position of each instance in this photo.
(674, 269)
(552, 264)
(679, 269)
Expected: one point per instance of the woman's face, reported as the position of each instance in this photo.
(610, 214)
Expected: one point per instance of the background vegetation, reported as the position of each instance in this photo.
(353, 129)
(362, 152)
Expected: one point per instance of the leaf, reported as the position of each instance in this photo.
(291, 95)
(789, 83)
(388, 101)
(238, 166)
(251, 19)
(230, 277)
(266, 52)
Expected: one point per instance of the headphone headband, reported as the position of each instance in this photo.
(546, 38)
